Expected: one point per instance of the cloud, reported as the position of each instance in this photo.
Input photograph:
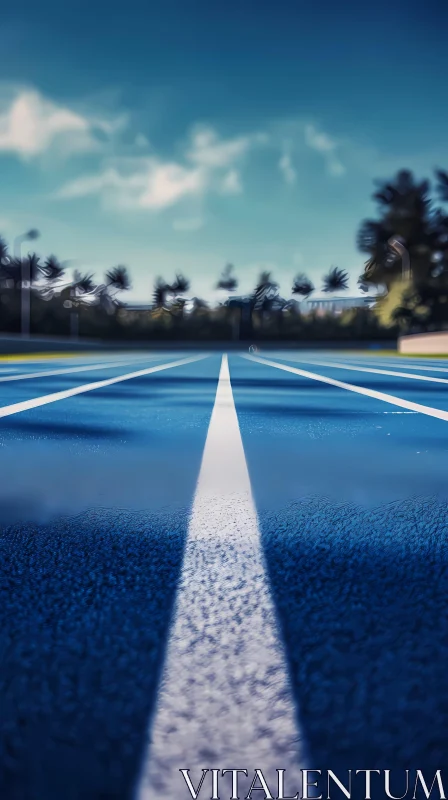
(208, 151)
(328, 147)
(287, 169)
(31, 124)
(208, 164)
(167, 183)
(335, 167)
(152, 185)
(231, 183)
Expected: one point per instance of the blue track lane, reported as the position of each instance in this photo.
(95, 494)
(353, 509)
(99, 489)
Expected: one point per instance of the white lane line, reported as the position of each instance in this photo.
(338, 365)
(350, 387)
(400, 364)
(224, 699)
(35, 402)
(23, 376)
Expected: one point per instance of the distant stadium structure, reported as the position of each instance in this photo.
(335, 305)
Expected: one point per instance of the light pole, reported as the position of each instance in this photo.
(25, 289)
(397, 245)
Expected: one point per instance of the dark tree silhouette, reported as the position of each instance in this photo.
(302, 285)
(180, 285)
(10, 268)
(406, 213)
(34, 265)
(336, 280)
(228, 282)
(82, 291)
(265, 291)
(118, 279)
(83, 284)
(160, 293)
(199, 304)
(442, 184)
(4, 252)
(52, 270)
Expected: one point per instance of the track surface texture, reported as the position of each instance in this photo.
(221, 562)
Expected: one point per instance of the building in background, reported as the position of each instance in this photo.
(335, 305)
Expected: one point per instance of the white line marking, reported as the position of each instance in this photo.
(23, 376)
(353, 368)
(350, 387)
(224, 699)
(35, 402)
(399, 364)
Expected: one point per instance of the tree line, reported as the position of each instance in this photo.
(59, 301)
(410, 224)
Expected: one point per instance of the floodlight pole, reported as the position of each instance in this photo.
(398, 247)
(25, 289)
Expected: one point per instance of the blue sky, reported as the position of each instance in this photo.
(179, 136)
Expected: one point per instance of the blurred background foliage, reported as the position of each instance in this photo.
(407, 281)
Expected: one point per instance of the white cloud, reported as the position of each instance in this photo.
(148, 184)
(208, 165)
(30, 125)
(231, 183)
(328, 147)
(86, 185)
(319, 140)
(287, 169)
(208, 151)
(168, 183)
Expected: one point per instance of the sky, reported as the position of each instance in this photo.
(182, 135)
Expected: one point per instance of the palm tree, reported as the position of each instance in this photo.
(34, 267)
(4, 252)
(9, 274)
(265, 290)
(406, 213)
(442, 184)
(180, 285)
(336, 280)
(118, 279)
(302, 285)
(83, 284)
(52, 272)
(227, 281)
(264, 296)
(81, 291)
(52, 269)
(160, 293)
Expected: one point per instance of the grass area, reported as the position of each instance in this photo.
(46, 356)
